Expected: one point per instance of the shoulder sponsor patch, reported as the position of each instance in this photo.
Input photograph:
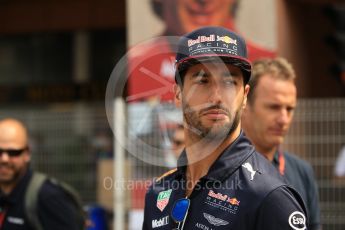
(214, 220)
(297, 221)
(156, 223)
(163, 199)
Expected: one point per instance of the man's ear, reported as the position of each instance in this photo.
(27, 156)
(178, 96)
(246, 91)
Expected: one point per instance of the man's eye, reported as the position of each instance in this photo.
(290, 109)
(202, 80)
(274, 107)
(230, 82)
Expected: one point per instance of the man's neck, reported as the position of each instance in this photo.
(6, 188)
(202, 154)
(267, 152)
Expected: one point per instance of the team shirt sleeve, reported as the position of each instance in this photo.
(313, 202)
(148, 202)
(282, 209)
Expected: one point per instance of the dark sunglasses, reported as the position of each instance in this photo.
(180, 212)
(13, 152)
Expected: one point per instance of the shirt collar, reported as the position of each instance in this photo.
(228, 161)
(275, 160)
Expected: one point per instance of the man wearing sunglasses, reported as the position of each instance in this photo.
(54, 209)
(221, 182)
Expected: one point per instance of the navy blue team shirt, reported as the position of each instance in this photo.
(300, 175)
(55, 209)
(242, 190)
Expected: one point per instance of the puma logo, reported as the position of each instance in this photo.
(249, 167)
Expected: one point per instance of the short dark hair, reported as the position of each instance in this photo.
(179, 76)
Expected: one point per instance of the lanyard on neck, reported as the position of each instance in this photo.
(2, 216)
(281, 160)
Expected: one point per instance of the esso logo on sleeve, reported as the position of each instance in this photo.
(297, 221)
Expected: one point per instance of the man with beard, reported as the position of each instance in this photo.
(55, 210)
(267, 119)
(221, 181)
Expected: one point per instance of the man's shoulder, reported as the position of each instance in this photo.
(163, 184)
(163, 181)
(280, 210)
(261, 175)
(50, 189)
(53, 190)
(265, 167)
(296, 162)
(167, 175)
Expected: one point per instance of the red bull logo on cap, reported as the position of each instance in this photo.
(227, 39)
(201, 39)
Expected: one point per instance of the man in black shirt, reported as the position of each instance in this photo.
(55, 210)
(266, 120)
(221, 182)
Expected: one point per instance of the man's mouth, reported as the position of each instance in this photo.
(215, 114)
(278, 132)
(199, 15)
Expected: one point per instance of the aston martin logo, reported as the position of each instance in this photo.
(214, 220)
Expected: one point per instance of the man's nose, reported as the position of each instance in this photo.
(4, 156)
(215, 92)
(284, 117)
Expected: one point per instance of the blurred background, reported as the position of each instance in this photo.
(56, 58)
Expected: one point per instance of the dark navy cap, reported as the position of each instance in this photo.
(213, 44)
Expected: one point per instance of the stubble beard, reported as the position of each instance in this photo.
(13, 177)
(217, 132)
